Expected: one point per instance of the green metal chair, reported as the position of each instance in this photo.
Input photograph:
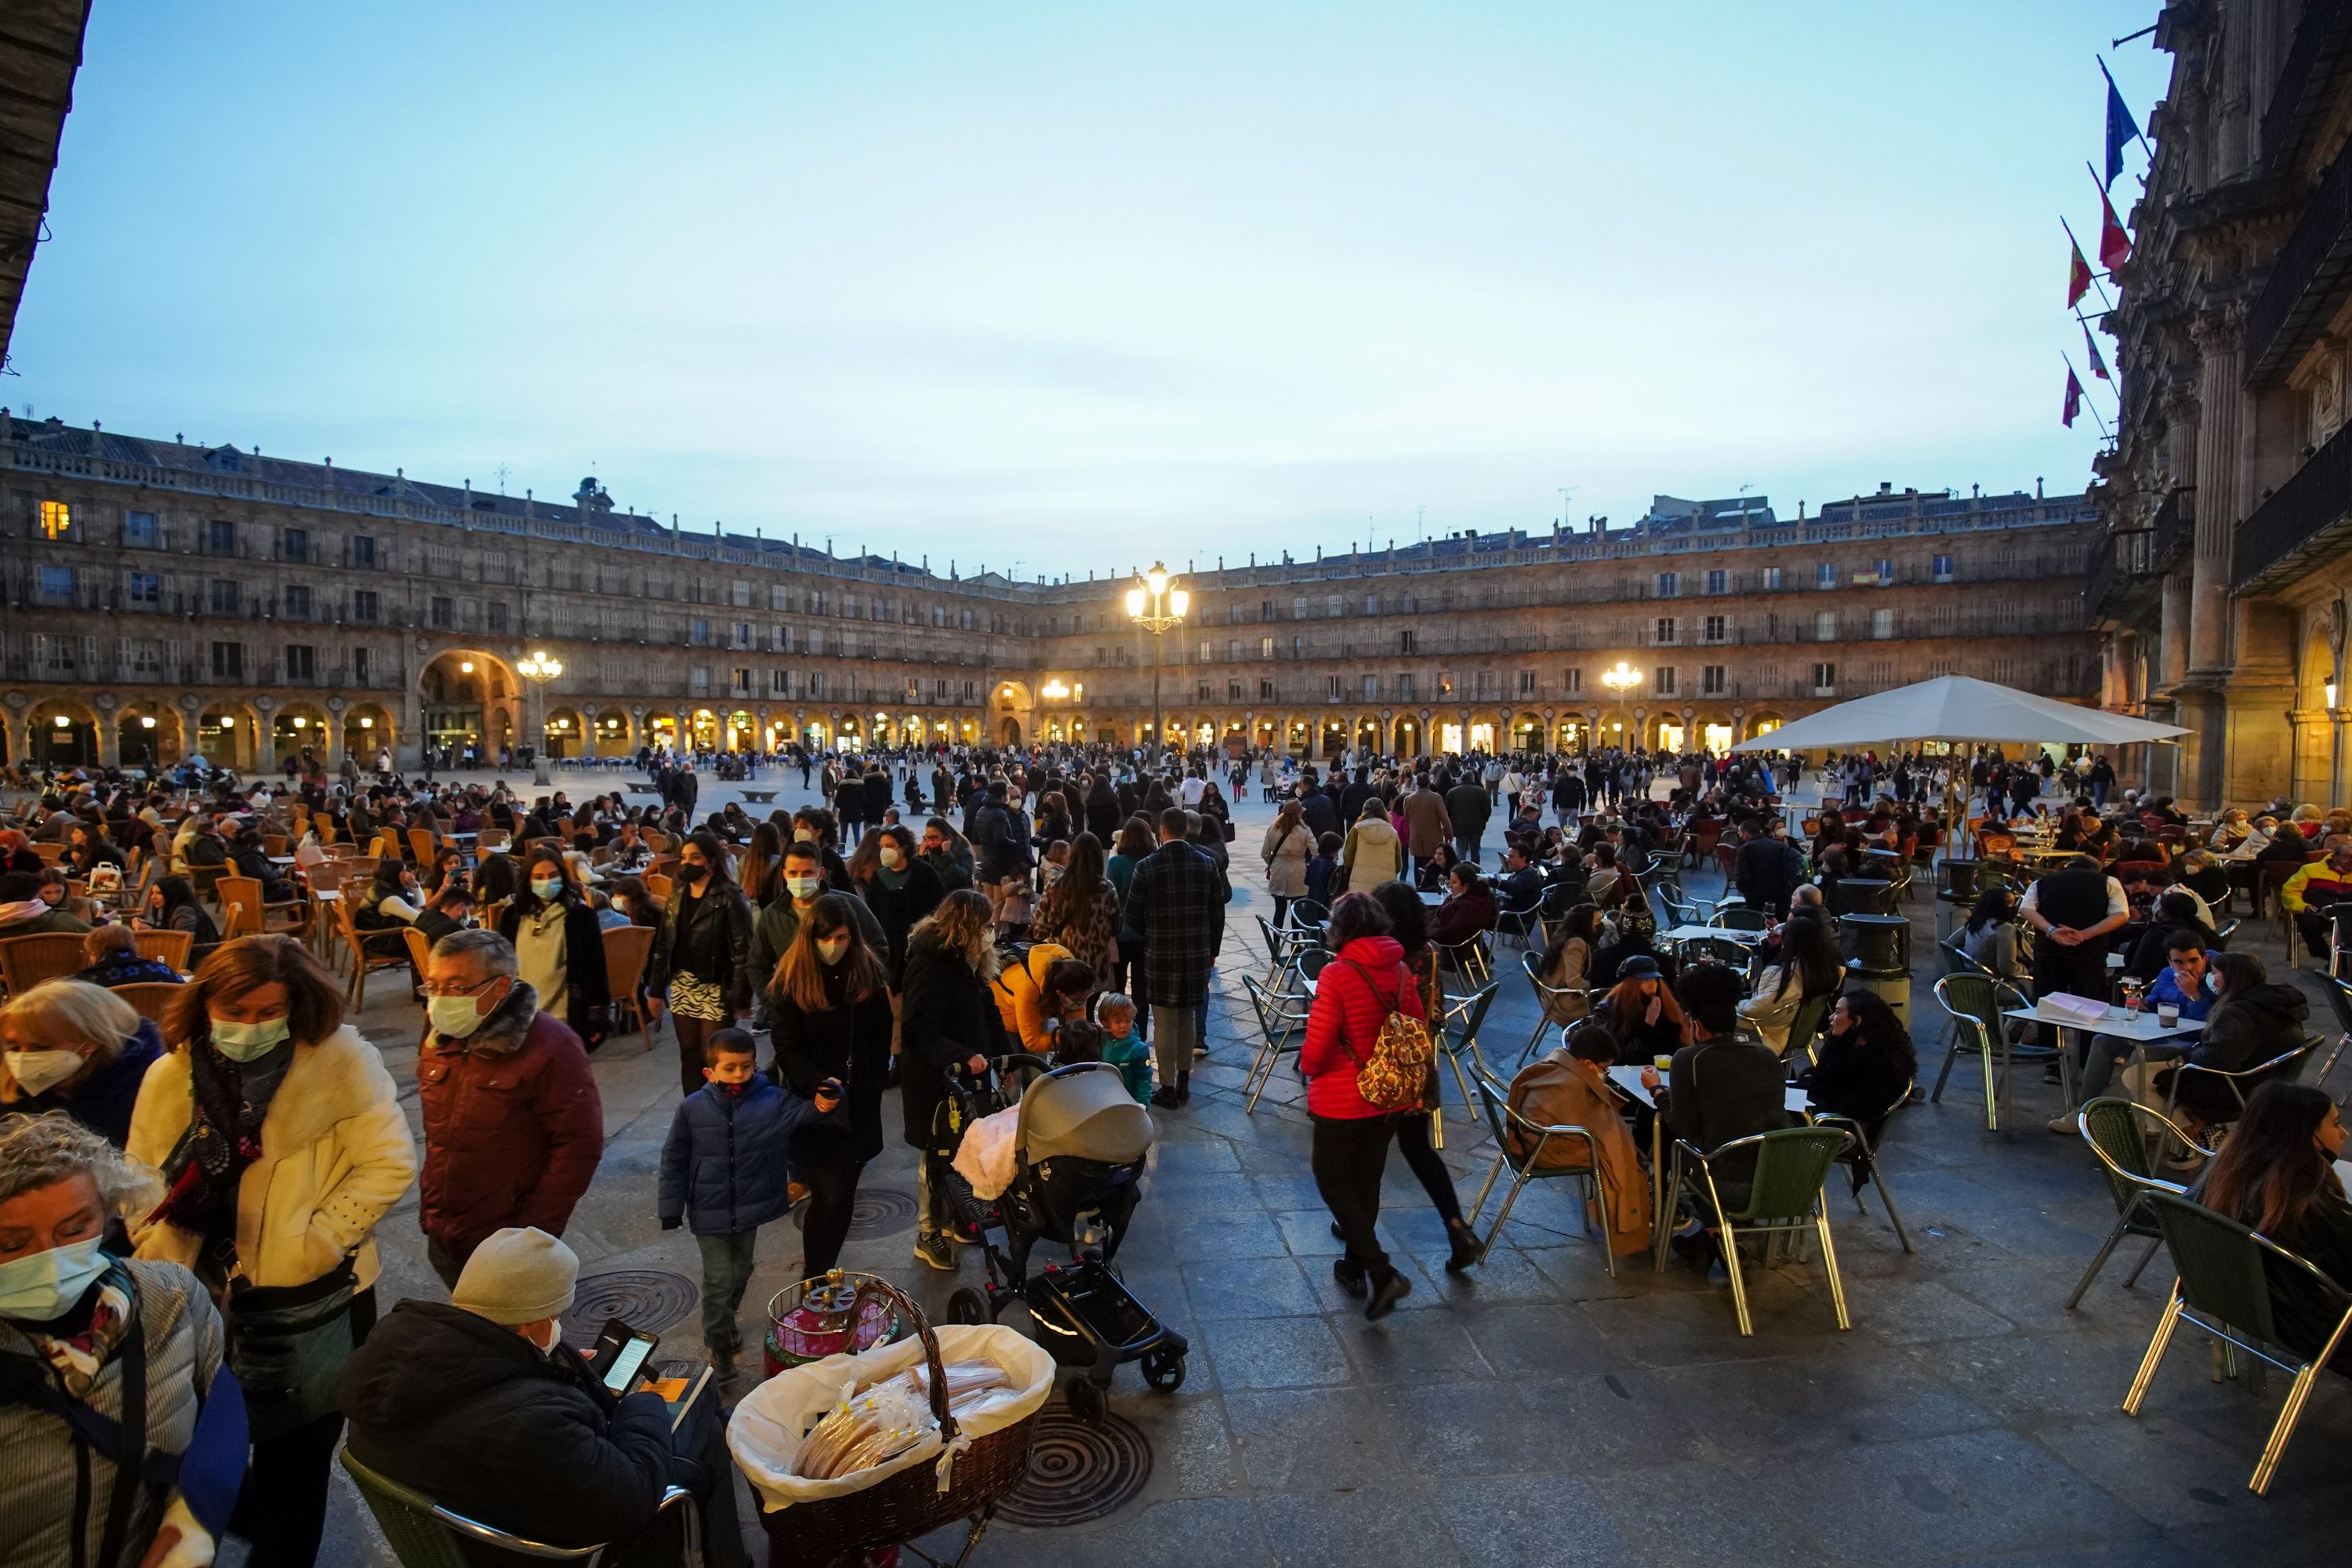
(1975, 1004)
(1281, 1025)
(1308, 915)
(1503, 1123)
(2339, 999)
(1740, 917)
(1951, 958)
(2118, 1131)
(1308, 962)
(1860, 1156)
(2227, 1274)
(1805, 1029)
(2285, 1065)
(423, 1534)
(1788, 1195)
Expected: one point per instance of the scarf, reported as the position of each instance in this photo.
(79, 1357)
(223, 1137)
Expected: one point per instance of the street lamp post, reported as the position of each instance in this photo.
(1158, 608)
(1620, 680)
(539, 669)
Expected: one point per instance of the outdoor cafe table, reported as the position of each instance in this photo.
(1626, 1078)
(1692, 934)
(2141, 1028)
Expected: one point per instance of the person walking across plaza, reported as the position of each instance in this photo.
(701, 963)
(1177, 902)
(829, 1012)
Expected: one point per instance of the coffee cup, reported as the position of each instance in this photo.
(1665, 1064)
(2167, 1014)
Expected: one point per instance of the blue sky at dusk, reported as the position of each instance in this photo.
(1073, 286)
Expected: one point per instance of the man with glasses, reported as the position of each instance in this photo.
(513, 1125)
(2186, 985)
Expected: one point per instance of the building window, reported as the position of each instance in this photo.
(1662, 681)
(849, 645)
(816, 683)
(1233, 690)
(1882, 622)
(445, 614)
(142, 589)
(1205, 655)
(1408, 642)
(1885, 572)
(1824, 679)
(1717, 628)
(1771, 579)
(229, 661)
(1446, 685)
(1572, 681)
(139, 529)
(698, 631)
(1669, 584)
(1710, 681)
(294, 544)
(1825, 575)
(301, 661)
(224, 597)
(1718, 580)
(1526, 683)
(1266, 691)
(1299, 647)
(1943, 568)
(1664, 636)
(1404, 688)
(57, 584)
(1299, 607)
(363, 551)
(362, 664)
(780, 683)
(1331, 687)
(1371, 603)
(1233, 649)
(295, 603)
(816, 639)
(1335, 607)
(1372, 689)
(740, 595)
(56, 519)
(1265, 647)
(220, 537)
(743, 683)
(364, 605)
(57, 655)
(741, 635)
(1826, 625)
(697, 680)
(1201, 692)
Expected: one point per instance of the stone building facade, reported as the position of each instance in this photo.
(2221, 598)
(164, 597)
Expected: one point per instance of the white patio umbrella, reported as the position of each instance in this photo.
(1961, 710)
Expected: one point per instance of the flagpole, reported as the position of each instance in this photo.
(2077, 244)
(2103, 71)
(2105, 433)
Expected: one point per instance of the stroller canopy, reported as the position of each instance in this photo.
(1089, 1115)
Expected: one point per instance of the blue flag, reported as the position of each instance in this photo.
(2122, 129)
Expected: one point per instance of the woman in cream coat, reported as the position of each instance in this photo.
(1373, 853)
(282, 1146)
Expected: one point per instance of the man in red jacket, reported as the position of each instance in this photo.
(513, 1126)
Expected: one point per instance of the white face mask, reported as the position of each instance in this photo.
(832, 948)
(43, 1285)
(892, 856)
(801, 888)
(248, 1042)
(36, 1071)
(455, 1017)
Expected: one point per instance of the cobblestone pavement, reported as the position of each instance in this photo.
(1537, 1411)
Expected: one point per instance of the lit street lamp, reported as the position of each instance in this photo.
(1620, 680)
(1152, 604)
(539, 669)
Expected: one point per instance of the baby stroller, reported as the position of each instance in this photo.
(1079, 1154)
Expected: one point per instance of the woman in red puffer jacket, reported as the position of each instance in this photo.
(1354, 996)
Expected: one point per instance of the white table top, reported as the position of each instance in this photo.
(1692, 934)
(1627, 1079)
(2142, 1025)
(1432, 899)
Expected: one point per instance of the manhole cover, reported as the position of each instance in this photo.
(648, 1299)
(875, 1212)
(1078, 1472)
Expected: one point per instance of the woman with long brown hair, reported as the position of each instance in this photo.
(948, 1023)
(559, 945)
(1641, 1012)
(2278, 1175)
(1080, 911)
(761, 872)
(282, 1144)
(701, 958)
(829, 1015)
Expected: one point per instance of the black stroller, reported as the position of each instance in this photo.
(1079, 1154)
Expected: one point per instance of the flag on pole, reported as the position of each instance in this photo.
(2091, 346)
(2114, 245)
(2078, 274)
(2121, 128)
(2073, 399)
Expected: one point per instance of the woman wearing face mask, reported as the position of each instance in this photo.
(282, 1146)
(761, 872)
(896, 884)
(700, 964)
(560, 946)
(949, 855)
(99, 1335)
(829, 1011)
(947, 1022)
(69, 1045)
(173, 906)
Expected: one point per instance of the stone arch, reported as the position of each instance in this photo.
(72, 743)
(468, 696)
(228, 733)
(370, 728)
(149, 733)
(562, 730)
(1763, 723)
(295, 727)
(1411, 737)
(1008, 732)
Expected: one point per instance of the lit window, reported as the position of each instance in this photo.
(56, 517)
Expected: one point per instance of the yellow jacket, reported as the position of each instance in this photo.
(2316, 882)
(1021, 996)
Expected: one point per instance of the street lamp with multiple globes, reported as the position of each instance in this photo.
(1620, 680)
(539, 669)
(1158, 608)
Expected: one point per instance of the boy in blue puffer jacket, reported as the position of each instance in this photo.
(723, 1173)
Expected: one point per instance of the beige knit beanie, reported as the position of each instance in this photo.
(518, 1277)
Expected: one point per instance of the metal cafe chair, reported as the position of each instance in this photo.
(1786, 1196)
(1861, 1157)
(1975, 1004)
(1545, 996)
(2241, 1083)
(2119, 1131)
(423, 1534)
(1458, 1031)
(1740, 917)
(2227, 1274)
(1281, 1025)
(1282, 945)
(1520, 1144)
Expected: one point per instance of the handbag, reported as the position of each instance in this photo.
(287, 1344)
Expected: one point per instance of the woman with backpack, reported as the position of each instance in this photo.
(1356, 996)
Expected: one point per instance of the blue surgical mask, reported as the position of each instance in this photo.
(44, 1285)
(546, 888)
(248, 1042)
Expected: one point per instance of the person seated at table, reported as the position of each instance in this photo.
(2236, 833)
(2253, 1020)
(2201, 873)
(56, 890)
(1569, 1086)
(1521, 886)
(251, 857)
(1642, 1013)
(1566, 964)
(2314, 891)
(25, 912)
(452, 910)
(171, 905)
(1865, 1063)
(109, 955)
(1468, 912)
(2277, 1175)
(1608, 884)
(390, 901)
(1808, 966)
(2176, 909)
(1725, 1085)
(2286, 847)
(1990, 935)
(2186, 982)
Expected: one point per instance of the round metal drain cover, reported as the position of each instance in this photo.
(875, 1212)
(1078, 1472)
(648, 1299)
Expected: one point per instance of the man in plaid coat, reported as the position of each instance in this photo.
(1177, 902)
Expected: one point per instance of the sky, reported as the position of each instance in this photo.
(1062, 288)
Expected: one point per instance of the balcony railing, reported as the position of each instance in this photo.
(2313, 506)
(2307, 281)
(2316, 62)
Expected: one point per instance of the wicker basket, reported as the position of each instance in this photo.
(907, 1505)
